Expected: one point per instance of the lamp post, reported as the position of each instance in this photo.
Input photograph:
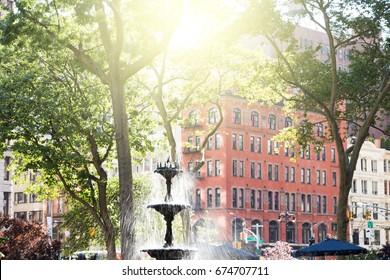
(312, 238)
(286, 216)
(235, 229)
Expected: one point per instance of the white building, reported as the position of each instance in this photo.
(369, 198)
(5, 183)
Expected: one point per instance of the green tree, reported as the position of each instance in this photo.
(113, 40)
(340, 97)
(59, 120)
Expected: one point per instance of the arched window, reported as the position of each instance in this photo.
(273, 232)
(237, 228)
(213, 116)
(272, 122)
(306, 233)
(255, 119)
(290, 232)
(320, 129)
(209, 197)
(321, 232)
(193, 118)
(287, 122)
(236, 116)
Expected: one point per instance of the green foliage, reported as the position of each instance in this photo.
(22, 240)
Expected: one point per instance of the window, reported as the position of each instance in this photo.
(253, 199)
(318, 177)
(259, 200)
(302, 175)
(270, 172)
(354, 210)
(213, 116)
(287, 201)
(292, 174)
(197, 199)
(270, 200)
(276, 171)
(253, 170)
(234, 168)
(363, 164)
(293, 204)
(209, 143)
(258, 140)
(209, 197)
(234, 198)
(323, 154)
(236, 116)
(209, 168)
(287, 122)
(334, 205)
(217, 197)
(290, 232)
(308, 203)
(374, 187)
(234, 141)
(33, 198)
(364, 186)
(385, 187)
(7, 162)
(241, 142)
(320, 129)
(252, 143)
(276, 200)
(193, 118)
(324, 178)
(353, 188)
(306, 233)
(308, 176)
(374, 166)
(319, 204)
(324, 204)
(334, 178)
(272, 122)
(20, 197)
(321, 232)
(303, 203)
(241, 168)
(197, 143)
(269, 146)
(189, 145)
(259, 173)
(255, 119)
(217, 167)
(273, 232)
(197, 164)
(276, 148)
(217, 141)
(286, 173)
(308, 152)
(241, 198)
(333, 154)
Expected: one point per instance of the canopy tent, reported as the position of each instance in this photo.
(330, 247)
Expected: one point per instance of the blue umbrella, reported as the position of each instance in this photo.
(331, 247)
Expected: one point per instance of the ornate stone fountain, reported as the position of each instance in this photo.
(169, 209)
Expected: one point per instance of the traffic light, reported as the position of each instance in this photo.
(243, 235)
(368, 215)
(349, 215)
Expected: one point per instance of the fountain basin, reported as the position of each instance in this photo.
(169, 209)
(171, 253)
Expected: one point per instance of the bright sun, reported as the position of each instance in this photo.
(193, 29)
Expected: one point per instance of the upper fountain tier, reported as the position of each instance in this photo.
(168, 171)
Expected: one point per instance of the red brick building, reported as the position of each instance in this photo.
(249, 179)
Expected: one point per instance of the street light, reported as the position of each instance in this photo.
(235, 229)
(312, 238)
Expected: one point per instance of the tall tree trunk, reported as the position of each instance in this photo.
(127, 231)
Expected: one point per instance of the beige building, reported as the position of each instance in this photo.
(369, 198)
